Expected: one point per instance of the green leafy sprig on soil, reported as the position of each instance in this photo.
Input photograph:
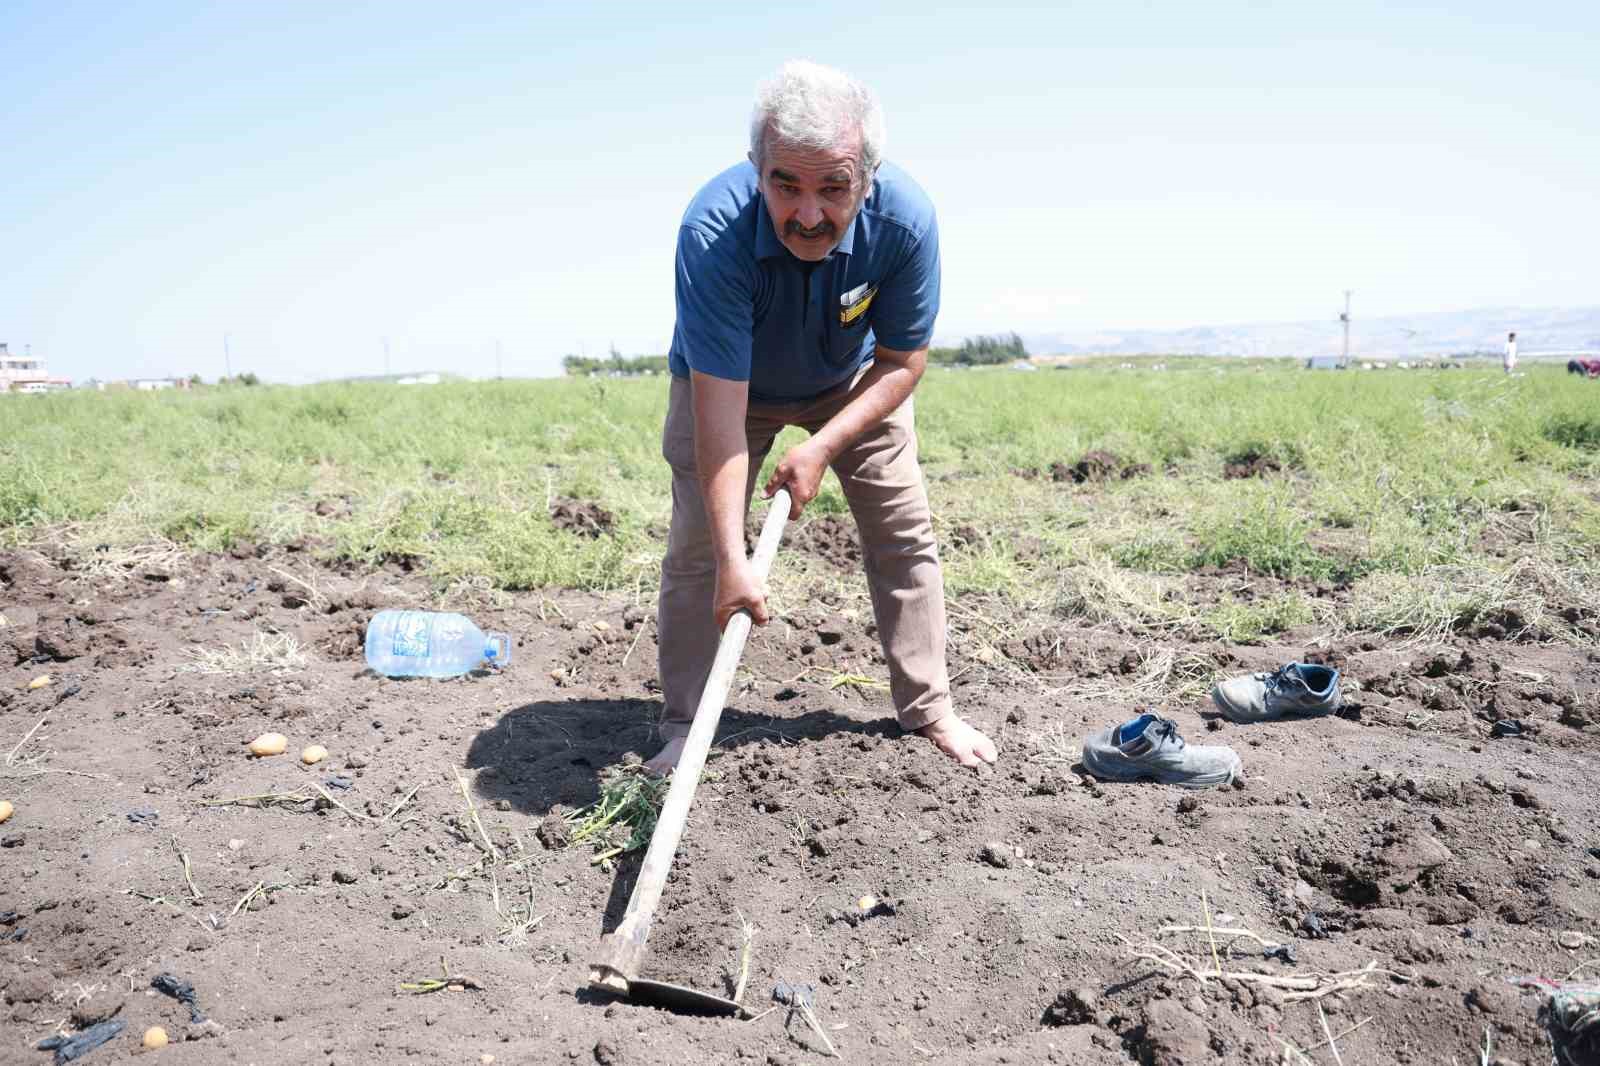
(630, 801)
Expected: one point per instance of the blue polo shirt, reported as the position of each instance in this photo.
(748, 310)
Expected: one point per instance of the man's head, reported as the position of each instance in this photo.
(816, 138)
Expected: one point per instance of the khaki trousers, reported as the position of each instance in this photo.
(882, 483)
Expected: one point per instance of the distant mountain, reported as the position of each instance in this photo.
(1395, 336)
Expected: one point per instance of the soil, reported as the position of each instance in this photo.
(1250, 464)
(1440, 825)
(1098, 466)
(582, 517)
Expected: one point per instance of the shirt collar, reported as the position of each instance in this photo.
(768, 245)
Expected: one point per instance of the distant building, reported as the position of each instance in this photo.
(25, 373)
(1324, 362)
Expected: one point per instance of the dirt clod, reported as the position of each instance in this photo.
(585, 518)
(1072, 1006)
(997, 855)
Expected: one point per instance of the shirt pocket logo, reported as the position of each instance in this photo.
(854, 304)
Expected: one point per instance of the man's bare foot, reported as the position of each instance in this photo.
(960, 741)
(663, 762)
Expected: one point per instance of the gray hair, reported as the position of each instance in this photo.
(808, 105)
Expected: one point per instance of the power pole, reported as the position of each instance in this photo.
(227, 358)
(1345, 318)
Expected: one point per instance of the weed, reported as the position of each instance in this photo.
(624, 817)
(1248, 623)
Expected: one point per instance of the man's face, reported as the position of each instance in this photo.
(813, 195)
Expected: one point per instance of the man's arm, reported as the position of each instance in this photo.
(722, 460)
(880, 391)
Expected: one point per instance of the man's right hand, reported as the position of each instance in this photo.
(738, 588)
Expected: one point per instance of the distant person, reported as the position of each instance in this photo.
(1510, 360)
(807, 288)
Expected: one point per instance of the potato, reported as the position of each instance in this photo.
(269, 744)
(313, 754)
(155, 1037)
(39, 682)
(6, 810)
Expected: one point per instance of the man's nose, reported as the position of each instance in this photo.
(810, 214)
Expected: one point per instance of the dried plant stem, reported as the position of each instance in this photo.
(1216, 960)
(472, 810)
(244, 900)
(1322, 1016)
(748, 931)
(188, 872)
(12, 754)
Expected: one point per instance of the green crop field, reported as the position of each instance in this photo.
(1427, 498)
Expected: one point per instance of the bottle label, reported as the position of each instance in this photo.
(411, 635)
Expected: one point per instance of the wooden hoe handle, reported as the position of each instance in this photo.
(622, 951)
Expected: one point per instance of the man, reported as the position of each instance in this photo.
(807, 287)
(1509, 361)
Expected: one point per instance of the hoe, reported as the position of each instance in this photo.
(616, 967)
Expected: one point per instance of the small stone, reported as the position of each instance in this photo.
(355, 761)
(342, 876)
(1188, 804)
(235, 844)
(402, 911)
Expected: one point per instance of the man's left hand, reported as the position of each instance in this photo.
(801, 470)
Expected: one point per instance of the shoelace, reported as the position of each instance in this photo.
(1278, 680)
(1166, 729)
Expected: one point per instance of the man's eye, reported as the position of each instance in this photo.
(833, 192)
(789, 190)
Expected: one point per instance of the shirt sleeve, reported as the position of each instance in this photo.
(716, 307)
(908, 301)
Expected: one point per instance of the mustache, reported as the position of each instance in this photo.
(794, 229)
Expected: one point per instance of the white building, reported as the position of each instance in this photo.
(25, 373)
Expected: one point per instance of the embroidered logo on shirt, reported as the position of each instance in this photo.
(853, 304)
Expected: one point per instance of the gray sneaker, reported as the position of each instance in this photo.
(1296, 688)
(1149, 748)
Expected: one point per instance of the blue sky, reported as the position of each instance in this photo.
(312, 178)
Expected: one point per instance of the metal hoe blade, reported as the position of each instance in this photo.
(681, 999)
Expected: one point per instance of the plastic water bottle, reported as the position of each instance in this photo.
(431, 644)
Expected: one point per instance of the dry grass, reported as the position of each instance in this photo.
(1164, 675)
(269, 652)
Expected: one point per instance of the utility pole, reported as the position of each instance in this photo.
(227, 359)
(1345, 318)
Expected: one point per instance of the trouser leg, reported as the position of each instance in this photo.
(685, 627)
(882, 481)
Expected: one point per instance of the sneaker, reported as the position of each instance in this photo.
(1297, 688)
(1149, 747)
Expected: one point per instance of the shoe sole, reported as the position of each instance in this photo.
(1128, 774)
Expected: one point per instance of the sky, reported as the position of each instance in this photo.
(296, 189)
